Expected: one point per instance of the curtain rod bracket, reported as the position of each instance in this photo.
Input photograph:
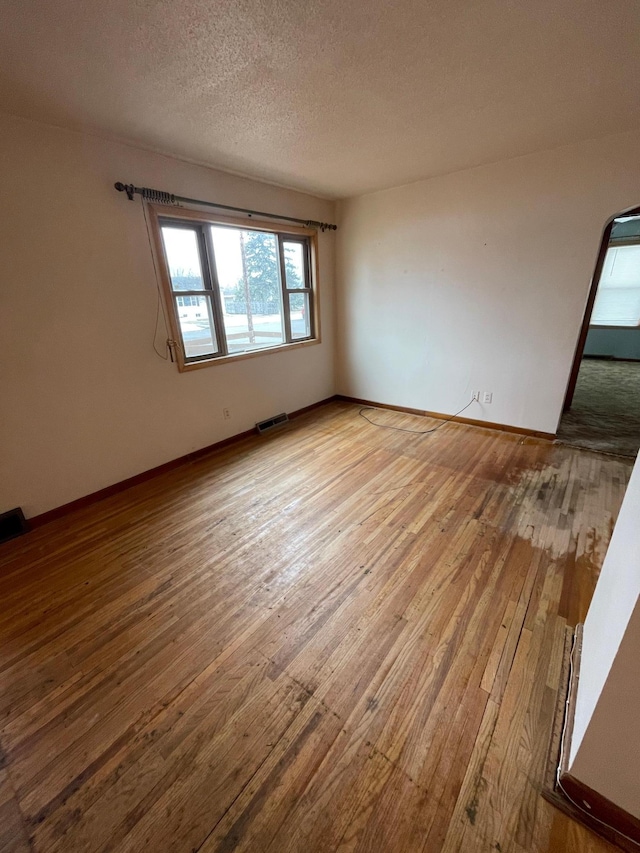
(129, 189)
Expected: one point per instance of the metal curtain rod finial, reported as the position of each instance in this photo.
(129, 189)
(161, 197)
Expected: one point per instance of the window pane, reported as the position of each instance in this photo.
(183, 257)
(618, 297)
(196, 325)
(294, 265)
(249, 279)
(299, 311)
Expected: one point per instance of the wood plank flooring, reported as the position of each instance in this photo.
(337, 638)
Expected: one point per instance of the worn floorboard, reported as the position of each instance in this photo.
(335, 638)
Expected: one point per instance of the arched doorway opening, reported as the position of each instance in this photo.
(602, 405)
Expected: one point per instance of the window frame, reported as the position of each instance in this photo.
(614, 244)
(160, 215)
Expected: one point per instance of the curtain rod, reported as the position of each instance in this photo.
(160, 197)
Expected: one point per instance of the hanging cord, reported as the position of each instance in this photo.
(159, 304)
(414, 431)
(559, 784)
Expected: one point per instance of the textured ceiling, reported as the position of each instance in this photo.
(335, 97)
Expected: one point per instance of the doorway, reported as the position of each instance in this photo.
(602, 406)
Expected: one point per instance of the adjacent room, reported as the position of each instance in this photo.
(300, 305)
(602, 407)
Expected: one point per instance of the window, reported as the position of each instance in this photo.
(186, 301)
(234, 290)
(618, 297)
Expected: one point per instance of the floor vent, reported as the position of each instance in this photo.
(272, 423)
(12, 524)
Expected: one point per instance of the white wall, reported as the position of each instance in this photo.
(478, 280)
(605, 746)
(85, 402)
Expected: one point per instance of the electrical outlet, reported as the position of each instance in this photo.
(475, 395)
(226, 414)
(487, 397)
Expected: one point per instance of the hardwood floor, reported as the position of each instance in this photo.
(336, 638)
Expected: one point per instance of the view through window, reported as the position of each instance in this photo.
(237, 290)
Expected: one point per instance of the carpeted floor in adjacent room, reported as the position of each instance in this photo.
(605, 413)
